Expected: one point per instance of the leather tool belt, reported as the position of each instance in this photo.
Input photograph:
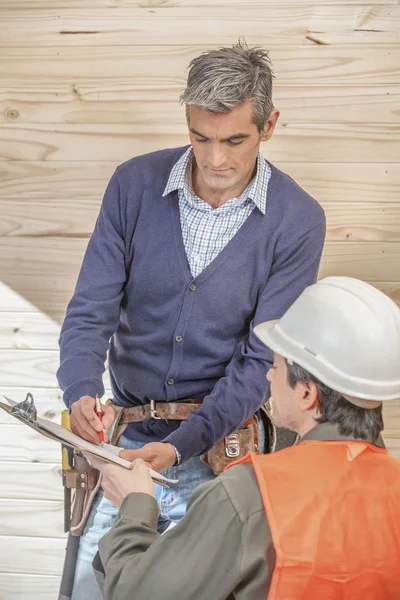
(228, 450)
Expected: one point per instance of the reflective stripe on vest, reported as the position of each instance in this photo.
(334, 513)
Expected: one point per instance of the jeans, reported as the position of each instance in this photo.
(172, 507)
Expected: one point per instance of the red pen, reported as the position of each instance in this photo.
(99, 413)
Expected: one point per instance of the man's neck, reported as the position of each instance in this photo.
(216, 198)
(307, 425)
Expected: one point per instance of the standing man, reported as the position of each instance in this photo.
(320, 520)
(193, 247)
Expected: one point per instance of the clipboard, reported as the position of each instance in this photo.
(26, 413)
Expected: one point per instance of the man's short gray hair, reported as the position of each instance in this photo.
(221, 80)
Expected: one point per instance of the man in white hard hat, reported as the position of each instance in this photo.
(320, 520)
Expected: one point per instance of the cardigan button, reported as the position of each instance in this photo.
(171, 381)
(178, 338)
(192, 287)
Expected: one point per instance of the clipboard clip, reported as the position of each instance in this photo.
(26, 409)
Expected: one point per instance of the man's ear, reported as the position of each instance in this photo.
(309, 398)
(269, 126)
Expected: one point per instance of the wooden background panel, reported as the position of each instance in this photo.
(393, 446)
(48, 401)
(352, 221)
(358, 221)
(59, 4)
(31, 481)
(391, 418)
(36, 516)
(20, 586)
(32, 369)
(41, 556)
(158, 72)
(284, 25)
(371, 261)
(121, 102)
(28, 330)
(19, 443)
(45, 292)
(292, 143)
(69, 181)
(58, 218)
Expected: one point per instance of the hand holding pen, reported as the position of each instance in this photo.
(86, 420)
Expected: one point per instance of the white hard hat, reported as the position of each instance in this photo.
(347, 334)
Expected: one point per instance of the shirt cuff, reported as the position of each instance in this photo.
(141, 507)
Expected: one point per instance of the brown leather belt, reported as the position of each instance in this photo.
(176, 411)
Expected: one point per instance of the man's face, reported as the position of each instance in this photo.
(226, 145)
(284, 402)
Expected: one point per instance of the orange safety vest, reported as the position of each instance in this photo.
(333, 508)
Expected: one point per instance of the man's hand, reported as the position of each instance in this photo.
(118, 482)
(85, 422)
(157, 455)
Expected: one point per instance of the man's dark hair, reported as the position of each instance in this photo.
(361, 423)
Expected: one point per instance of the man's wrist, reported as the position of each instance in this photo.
(178, 456)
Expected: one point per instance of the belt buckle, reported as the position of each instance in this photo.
(232, 445)
(153, 412)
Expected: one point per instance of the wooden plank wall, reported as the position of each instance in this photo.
(85, 85)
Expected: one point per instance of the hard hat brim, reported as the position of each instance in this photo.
(272, 335)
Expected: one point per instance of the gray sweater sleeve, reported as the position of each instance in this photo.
(219, 550)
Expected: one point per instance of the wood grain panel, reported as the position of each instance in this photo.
(48, 402)
(40, 517)
(67, 181)
(158, 72)
(28, 330)
(292, 143)
(29, 369)
(393, 446)
(47, 293)
(355, 221)
(59, 4)
(19, 443)
(365, 260)
(391, 419)
(48, 218)
(34, 481)
(352, 221)
(40, 556)
(57, 257)
(20, 586)
(285, 25)
(121, 102)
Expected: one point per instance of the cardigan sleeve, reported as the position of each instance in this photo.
(93, 312)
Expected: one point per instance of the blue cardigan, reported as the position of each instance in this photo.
(171, 336)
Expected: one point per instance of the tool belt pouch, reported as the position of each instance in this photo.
(84, 481)
(87, 481)
(234, 447)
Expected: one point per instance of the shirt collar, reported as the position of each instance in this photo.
(330, 432)
(179, 179)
